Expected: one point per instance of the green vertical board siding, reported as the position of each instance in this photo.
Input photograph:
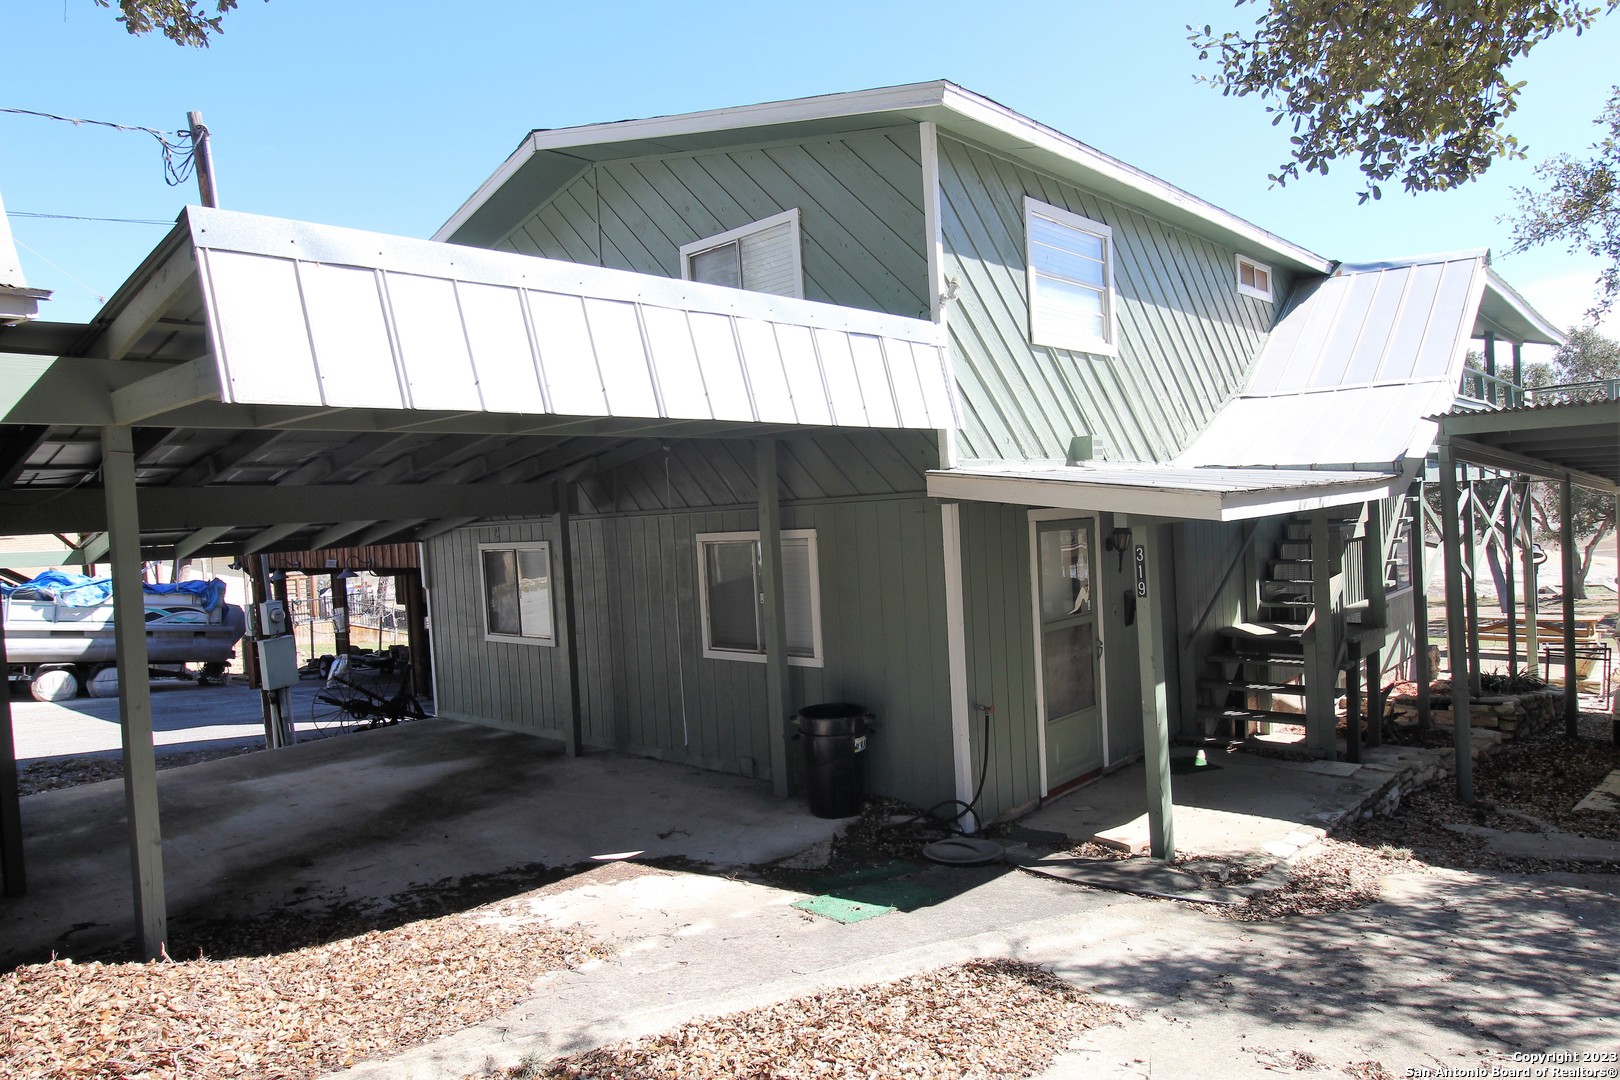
(1186, 336)
(1122, 683)
(1000, 654)
(645, 686)
(859, 199)
(697, 473)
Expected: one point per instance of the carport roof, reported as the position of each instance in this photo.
(298, 386)
(1580, 440)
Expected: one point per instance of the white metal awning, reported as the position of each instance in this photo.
(305, 314)
(1166, 491)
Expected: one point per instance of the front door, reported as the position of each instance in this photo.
(1070, 646)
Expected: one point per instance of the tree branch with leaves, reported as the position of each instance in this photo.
(184, 22)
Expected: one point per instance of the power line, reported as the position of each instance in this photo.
(80, 217)
(179, 156)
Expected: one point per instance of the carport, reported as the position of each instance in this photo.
(261, 385)
(1567, 443)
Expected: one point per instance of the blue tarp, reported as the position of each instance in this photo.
(76, 590)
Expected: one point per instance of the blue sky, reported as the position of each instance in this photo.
(387, 114)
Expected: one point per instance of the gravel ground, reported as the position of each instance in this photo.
(985, 1018)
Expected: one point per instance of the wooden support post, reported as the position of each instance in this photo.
(1490, 366)
(1510, 604)
(416, 632)
(1614, 700)
(1155, 704)
(12, 874)
(777, 709)
(1566, 543)
(1322, 646)
(1532, 601)
(1418, 543)
(1372, 572)
(1352, 705)
(1518, 370)
(1476, 687)
(134, 692)
(340, 612)
(1457, 638)
(562, 577)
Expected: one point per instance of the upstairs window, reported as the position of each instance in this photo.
(1254, 279)
(1071, 280)
(517, 592)
(731, 580)
(761, 257)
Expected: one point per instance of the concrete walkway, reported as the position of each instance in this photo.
(1452, 969)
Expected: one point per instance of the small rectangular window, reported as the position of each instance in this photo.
(1254, 279)
(761, 257)
(1071, 280)
(731, 586)
(516, 582)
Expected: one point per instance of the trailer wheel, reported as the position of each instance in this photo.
(54, 684)
(103, 682)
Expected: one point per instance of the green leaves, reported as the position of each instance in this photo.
(1414, 90)
(184, 22)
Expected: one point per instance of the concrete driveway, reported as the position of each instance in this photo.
(368, 815)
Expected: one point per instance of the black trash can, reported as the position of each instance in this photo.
(835, 765)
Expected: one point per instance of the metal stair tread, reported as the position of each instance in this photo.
(1251, 687)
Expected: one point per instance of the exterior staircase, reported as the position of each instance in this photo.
(1270, 659)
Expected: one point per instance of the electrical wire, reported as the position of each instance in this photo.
(179, 156)
(81, 217)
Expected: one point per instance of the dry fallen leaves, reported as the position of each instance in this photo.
(296, 1014)
(984, 1018)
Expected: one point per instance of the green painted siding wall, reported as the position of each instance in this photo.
(1187, 338)
(1002, 654)
(859, 199)
(645, 686)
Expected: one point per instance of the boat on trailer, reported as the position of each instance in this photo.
(59, 632)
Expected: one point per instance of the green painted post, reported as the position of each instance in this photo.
(1372, 572)
(134, 692)
(1155, 706)
(1321, 646)
(1510, 605)
(1566, 541)
(1416, 540)
(11, 840)
(776, 665)
(1457, 638)
(562, 575)
(1476, 687)
(1532, 602)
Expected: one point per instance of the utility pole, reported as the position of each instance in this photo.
(204, 158)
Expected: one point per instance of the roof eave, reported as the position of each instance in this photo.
(954, 109)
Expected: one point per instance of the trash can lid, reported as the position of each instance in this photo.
(832, 718)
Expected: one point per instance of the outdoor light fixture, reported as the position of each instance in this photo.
(1118, 541)
(277, 576)
(348, 573)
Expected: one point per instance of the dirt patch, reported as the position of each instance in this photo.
(53, 774)
(985, 1018)
(294, 1014)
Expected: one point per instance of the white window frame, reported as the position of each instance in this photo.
(1265, 294)
(1039, 332)
(731, 236)
(817, 657)
(547, 641)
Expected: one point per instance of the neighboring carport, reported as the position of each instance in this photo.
(1570, 444)
(262, 385)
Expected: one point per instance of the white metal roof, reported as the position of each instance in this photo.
(1353, 368)
(1167, 491)
(304, 314)
(549, 158)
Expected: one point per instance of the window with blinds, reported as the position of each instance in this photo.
(761, 257)
(731, 585)
(1071, 280)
